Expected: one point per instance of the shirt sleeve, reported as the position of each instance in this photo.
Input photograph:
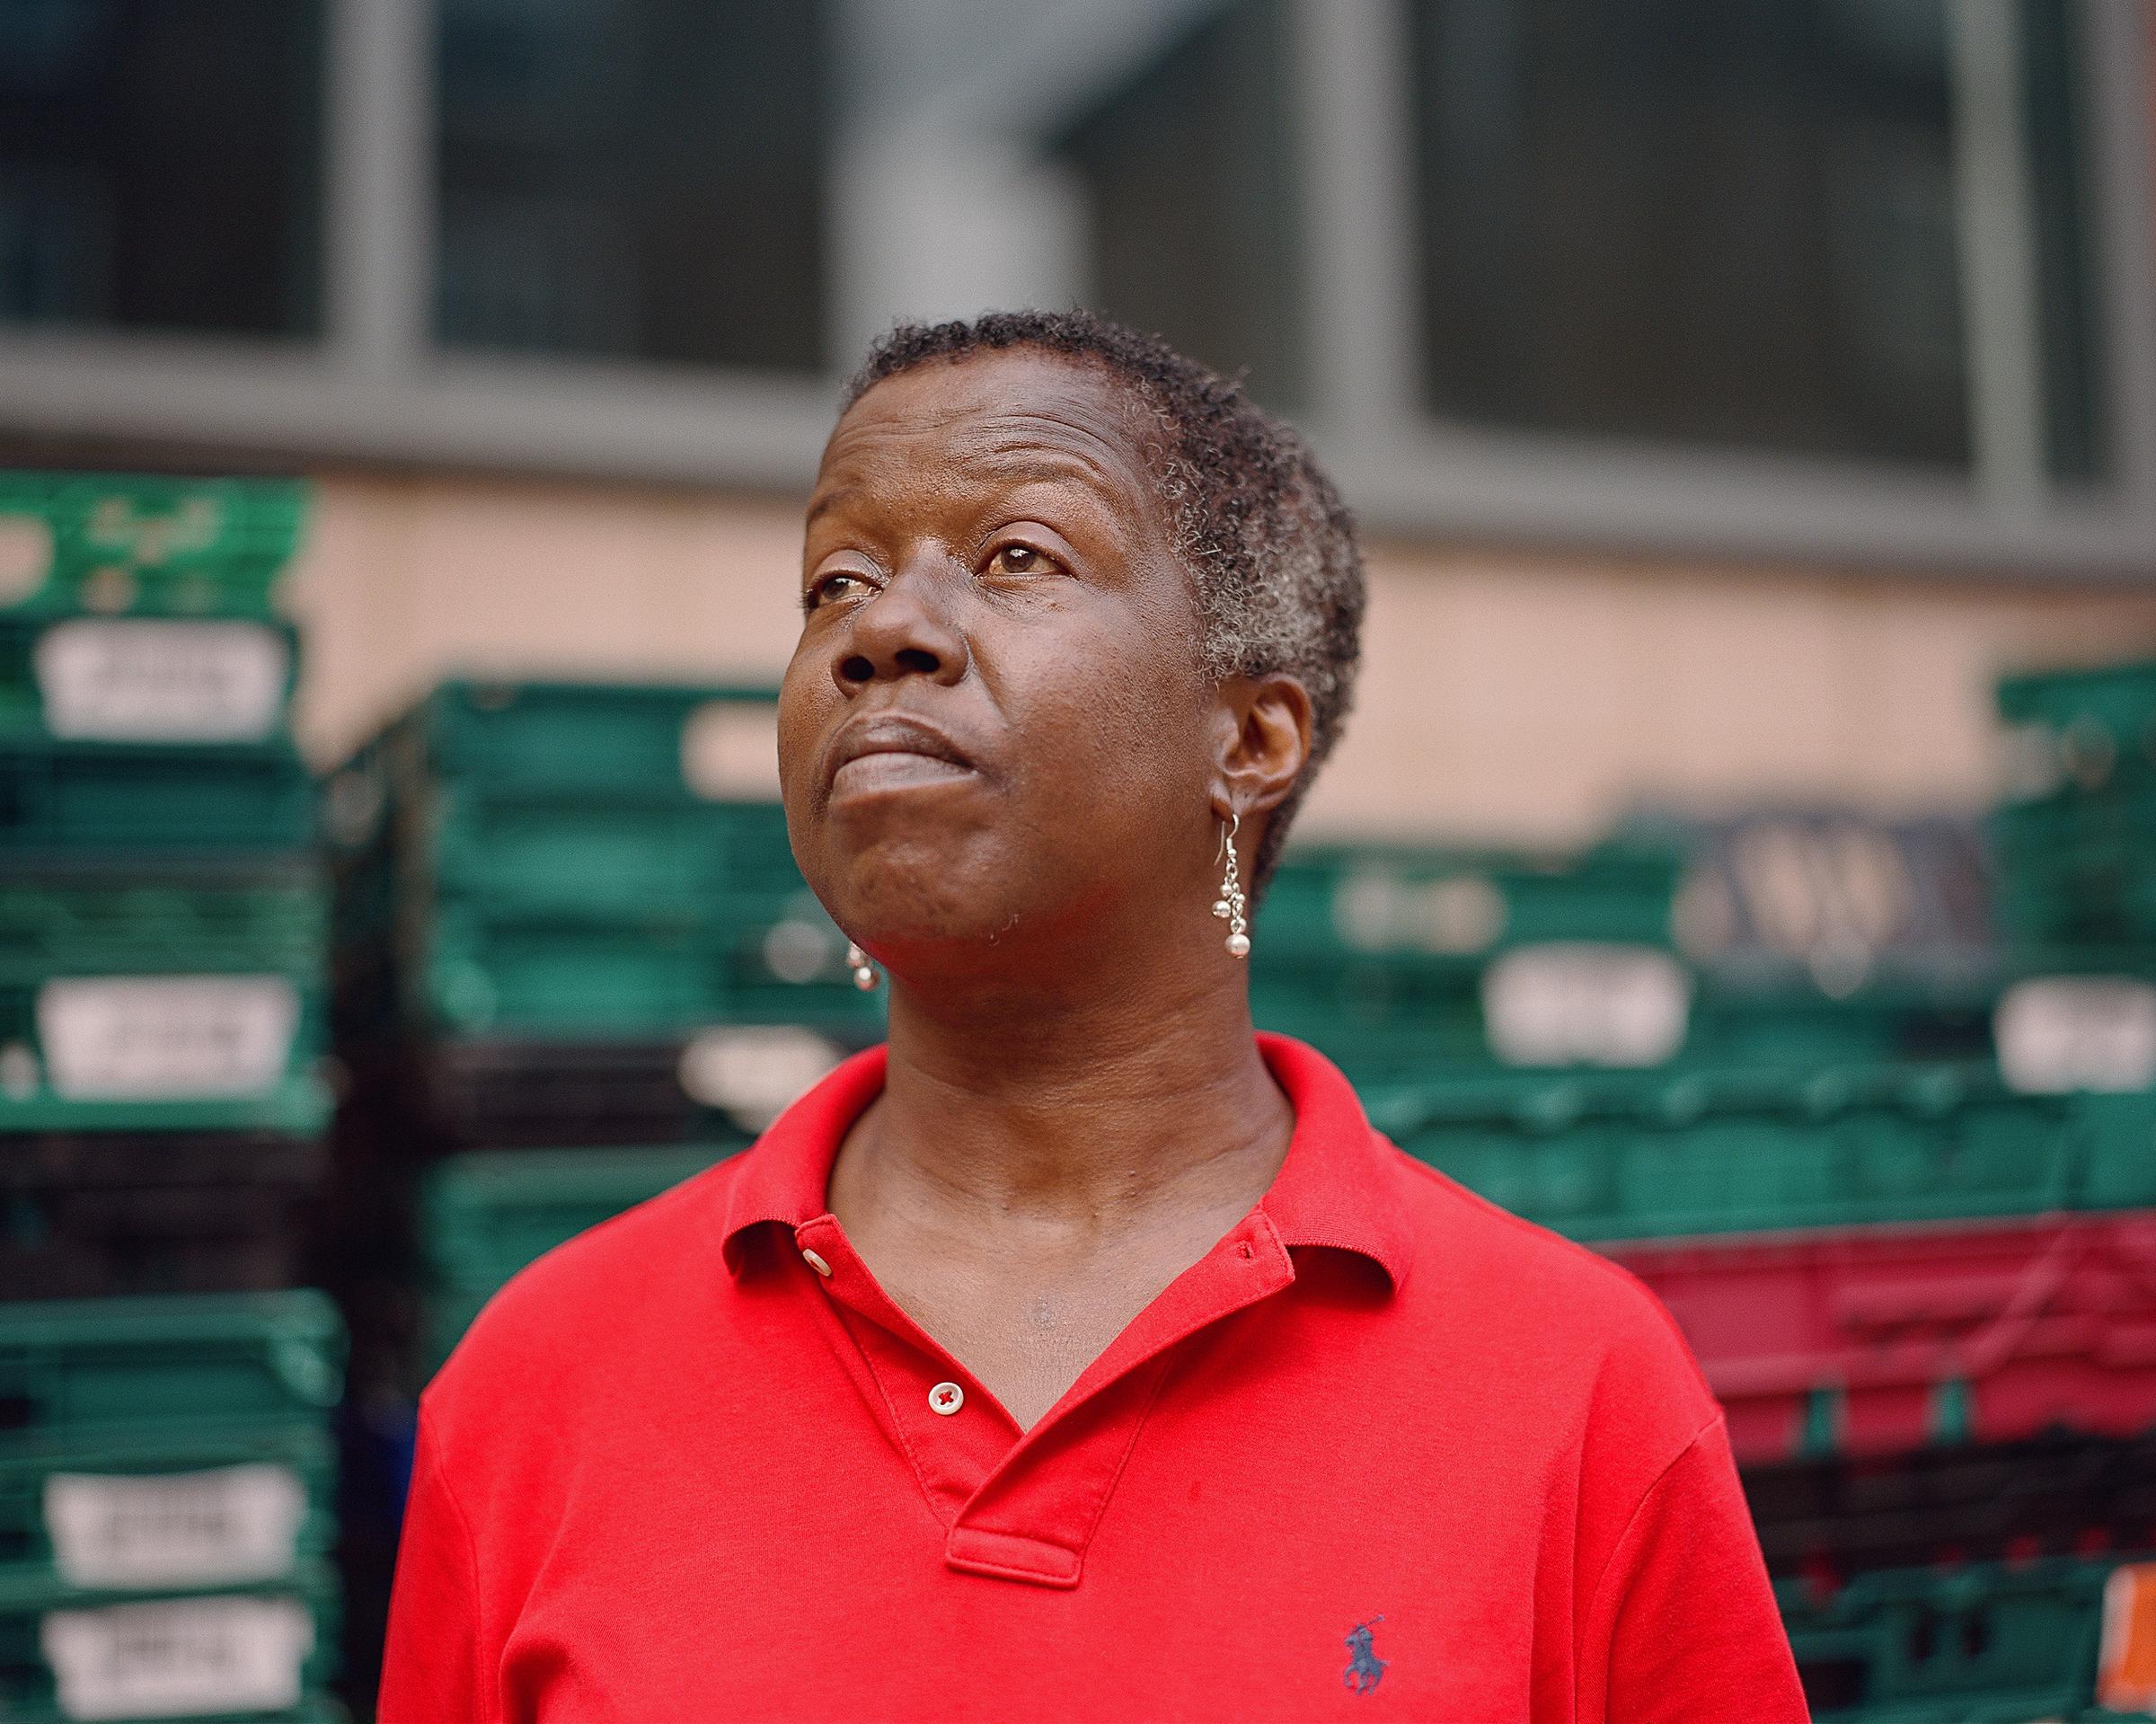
(430, 1663)
(1684, 1624)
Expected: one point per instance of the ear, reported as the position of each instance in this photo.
(1262, 740)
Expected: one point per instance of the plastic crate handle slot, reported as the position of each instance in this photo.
(729, 751)
(26, 548)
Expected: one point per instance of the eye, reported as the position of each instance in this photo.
(839, 583)
(1021, 560)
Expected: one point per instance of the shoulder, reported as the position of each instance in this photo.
(591, 1306)
(1555, 1301)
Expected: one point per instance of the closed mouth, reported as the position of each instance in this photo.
(889, 750)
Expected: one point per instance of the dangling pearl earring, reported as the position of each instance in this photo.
(1230, 907)
(865, 973)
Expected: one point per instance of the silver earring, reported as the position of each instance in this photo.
(864, 972)
(1231, 906)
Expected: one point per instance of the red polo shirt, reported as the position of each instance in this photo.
(1385, 1452)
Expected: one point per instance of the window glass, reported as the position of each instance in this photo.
(1188, 183)
(633, 179)
(1726, 222)
(160, 164)
(2065, 239)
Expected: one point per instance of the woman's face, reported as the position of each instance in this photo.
(993, 728)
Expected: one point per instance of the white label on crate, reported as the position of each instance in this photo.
(2077, 1032)
(729, 751)
(179, 1658)
(136, 681)
(163, 1038)
(226, 1524)
(1372, 911)
(753, 1072)
(1571, 1003)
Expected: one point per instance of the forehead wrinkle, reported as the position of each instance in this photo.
(1088, 438)
(980, 479)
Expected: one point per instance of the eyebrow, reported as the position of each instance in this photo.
(827, 501)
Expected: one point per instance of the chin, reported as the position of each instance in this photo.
(938, 887)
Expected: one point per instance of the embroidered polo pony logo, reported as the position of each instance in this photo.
(1364, 1668)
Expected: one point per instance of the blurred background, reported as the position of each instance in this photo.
(1743, 854)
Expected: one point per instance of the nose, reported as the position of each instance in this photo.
(908, 629)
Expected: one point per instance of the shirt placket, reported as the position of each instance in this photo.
(1023, 1504)
(952, 1428)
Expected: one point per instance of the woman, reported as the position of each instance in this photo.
(1080, 1354)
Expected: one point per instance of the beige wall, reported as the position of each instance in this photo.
(1505, 697)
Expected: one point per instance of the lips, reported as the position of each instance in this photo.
(881, 750)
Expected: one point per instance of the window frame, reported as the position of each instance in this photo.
(374, 388)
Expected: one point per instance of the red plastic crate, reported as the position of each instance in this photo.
(1884, 1339)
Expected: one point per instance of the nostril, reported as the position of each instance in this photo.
(916, 659)
(857, 669)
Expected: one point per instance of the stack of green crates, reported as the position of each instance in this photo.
(166, 1508)
(1973, 1643)
(1831, 935)
(2076, 898)
(1404, 962)
(167, 1469)
(2077, 848)
(585, 883)
(163, 914)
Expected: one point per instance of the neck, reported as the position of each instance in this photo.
(1091, 1098)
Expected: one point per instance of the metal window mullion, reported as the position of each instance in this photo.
(1353, 129)
(1995, 221)
(380, 186)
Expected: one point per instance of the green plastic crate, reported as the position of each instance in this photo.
(145, 1510)
(474, 972)
(1673, 1153)
(488, 1214)
(642, 862)
(1329, 902)
(86, 799)
(606, 742)
(2090, 722)
(299, 1105)
(484, 1217)
(1783, 1018)
(1383, 1019)
(1986, 1641)
(85, 1370)
(170, 682)
(118, 988)
(1378, 954)
(117, 921)
(117, 544)
(219, 1655)
(2076, 855)
(1388, 1018)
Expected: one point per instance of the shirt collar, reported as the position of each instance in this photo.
(1342, 1186)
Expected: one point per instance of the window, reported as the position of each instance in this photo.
(1865, 280)
(1740, 222)
(1189, 193)
(160, 165)
(633, 179)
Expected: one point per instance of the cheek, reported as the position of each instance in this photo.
(1116, 723)
(806, 693)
